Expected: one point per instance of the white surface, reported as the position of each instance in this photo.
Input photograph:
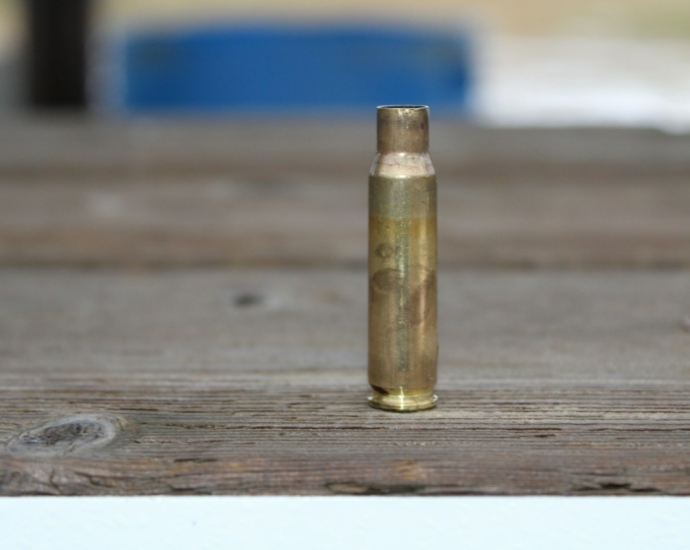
(335, 523)
(585, 81)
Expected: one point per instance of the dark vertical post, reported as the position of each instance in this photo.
(57, 36)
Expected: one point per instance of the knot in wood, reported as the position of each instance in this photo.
(65, 436)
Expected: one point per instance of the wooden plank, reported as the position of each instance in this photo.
(78, 147)
(213, 220)
(165, 192)
(253, 382)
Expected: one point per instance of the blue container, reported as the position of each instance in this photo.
(269, 68)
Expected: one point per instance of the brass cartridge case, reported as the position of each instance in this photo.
(403, 341)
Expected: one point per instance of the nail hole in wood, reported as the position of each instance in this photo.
(248, 299)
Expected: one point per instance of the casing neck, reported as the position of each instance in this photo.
(402, 129)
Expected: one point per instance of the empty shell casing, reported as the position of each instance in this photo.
(403, 341)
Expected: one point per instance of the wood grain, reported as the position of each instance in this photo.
(143, 352)
(81, 147)
(82, 192)
(213, 220)
(253, 382)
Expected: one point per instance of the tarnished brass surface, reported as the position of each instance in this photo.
(403, 343)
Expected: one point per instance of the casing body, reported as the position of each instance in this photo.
(403, 342)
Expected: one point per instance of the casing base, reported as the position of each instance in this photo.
(402, 400)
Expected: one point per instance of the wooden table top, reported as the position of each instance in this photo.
(183, 311)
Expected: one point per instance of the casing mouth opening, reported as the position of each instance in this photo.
(397, 107)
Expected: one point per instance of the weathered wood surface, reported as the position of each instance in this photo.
(79, 147)
(228, 219)
(218, 377)
(244, 382)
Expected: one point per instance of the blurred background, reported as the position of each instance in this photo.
(503, 62)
